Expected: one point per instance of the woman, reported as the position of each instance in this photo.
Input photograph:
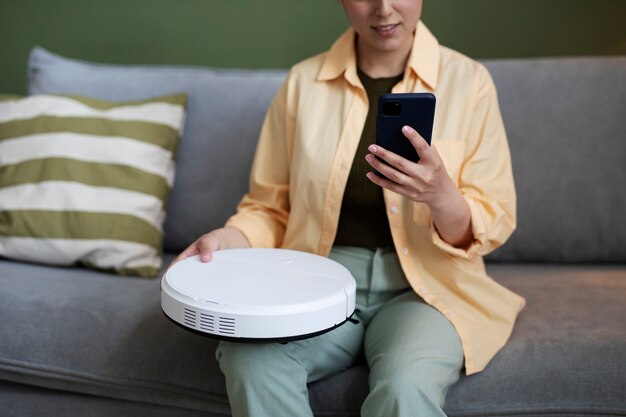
(414, 242)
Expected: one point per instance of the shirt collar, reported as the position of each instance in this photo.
(423, 60)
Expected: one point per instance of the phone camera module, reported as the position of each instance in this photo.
(392, 108)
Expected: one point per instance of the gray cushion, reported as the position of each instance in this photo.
(566, 123)
(567, 353)
(225, 110)
(88, 332)
(18, 400)
(84, 332)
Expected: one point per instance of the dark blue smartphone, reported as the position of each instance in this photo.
(397, 110)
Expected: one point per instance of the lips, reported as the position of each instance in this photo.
(386, 30)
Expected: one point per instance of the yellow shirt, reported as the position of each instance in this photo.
(305, 152)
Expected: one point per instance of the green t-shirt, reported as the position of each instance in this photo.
(363, 219)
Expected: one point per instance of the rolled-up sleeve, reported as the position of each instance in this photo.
(486, 177)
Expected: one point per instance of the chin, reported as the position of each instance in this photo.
(390, 45)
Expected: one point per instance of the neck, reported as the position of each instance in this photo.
(382, 64)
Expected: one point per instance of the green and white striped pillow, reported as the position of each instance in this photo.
(87, 181)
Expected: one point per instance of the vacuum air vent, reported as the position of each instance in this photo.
(207, 322)
(190, 317)
(226, 325)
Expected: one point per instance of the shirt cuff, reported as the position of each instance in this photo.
(255, 229)
(479, 233)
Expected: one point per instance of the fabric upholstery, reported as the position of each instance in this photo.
(225, 110)
(87, 181)
(563, 118)
(16, 401)
(567, 133)
(125, 348)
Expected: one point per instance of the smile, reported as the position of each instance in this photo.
(386, 29)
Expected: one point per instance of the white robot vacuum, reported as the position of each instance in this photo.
(259, 295)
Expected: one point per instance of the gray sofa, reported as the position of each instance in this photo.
(75, 342)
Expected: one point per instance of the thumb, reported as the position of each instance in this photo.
(207, 246)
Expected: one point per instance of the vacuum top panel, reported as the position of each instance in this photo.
(256, 278)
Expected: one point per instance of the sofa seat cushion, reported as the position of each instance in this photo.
(17, 401)
(567, 353)
(80, 331)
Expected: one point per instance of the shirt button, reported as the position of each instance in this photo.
(405, 250)
(451, 314)
(394, 210)
(422, 290)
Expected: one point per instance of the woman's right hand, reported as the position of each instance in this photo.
(225, 238)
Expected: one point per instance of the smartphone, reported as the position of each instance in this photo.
(397, 110)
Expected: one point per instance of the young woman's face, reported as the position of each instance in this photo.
(384, 25)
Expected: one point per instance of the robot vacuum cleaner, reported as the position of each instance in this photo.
(259, 295)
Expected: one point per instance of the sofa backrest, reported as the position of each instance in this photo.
(566, 124)
(566, 121)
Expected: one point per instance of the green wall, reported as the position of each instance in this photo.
(278, 33)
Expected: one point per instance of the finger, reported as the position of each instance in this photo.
(206, 247)
(393, 159)
(190, 251)
(385, 183)
(385, 169)
(419, 143)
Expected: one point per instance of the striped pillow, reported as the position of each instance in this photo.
(87, 181)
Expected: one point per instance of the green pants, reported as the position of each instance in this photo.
(413, 351)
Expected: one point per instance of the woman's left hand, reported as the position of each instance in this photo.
(426, 181)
